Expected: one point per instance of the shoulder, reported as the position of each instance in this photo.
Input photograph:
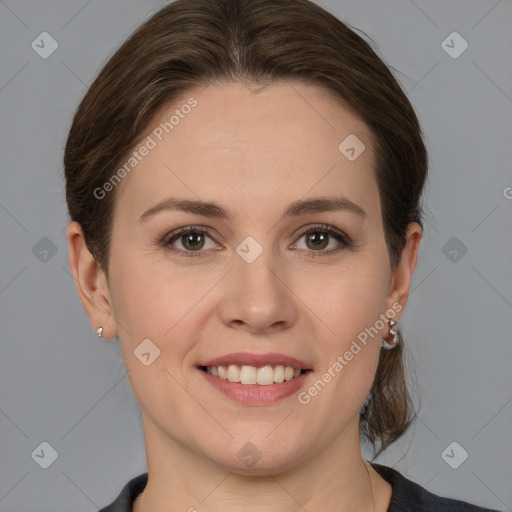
(410, 496)
(124, 502)
(406, 493)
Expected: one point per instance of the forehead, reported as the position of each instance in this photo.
(239, 143)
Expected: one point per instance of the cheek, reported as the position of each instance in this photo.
(350, 357)
(352, 309)
(352, 300)
(151, 302)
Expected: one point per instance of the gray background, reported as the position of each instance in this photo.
(61, 385)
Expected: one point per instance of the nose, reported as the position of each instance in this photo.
(257, 297)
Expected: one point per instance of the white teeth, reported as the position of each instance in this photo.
(264, 375)
(233, 373)
(248, 375)
(279, 373)
(223, 373)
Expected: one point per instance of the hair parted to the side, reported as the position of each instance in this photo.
(193, 43)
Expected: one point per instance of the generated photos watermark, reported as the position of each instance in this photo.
(150, 142)
(304, 397)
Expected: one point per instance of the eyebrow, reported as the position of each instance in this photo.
(299, 207)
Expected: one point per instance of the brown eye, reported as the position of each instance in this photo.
(319, 238)
(191, 239)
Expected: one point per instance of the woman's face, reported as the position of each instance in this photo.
(248, 287)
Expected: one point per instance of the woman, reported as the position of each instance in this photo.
(243, 180)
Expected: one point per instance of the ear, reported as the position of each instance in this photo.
(91, 282)
(402, 276)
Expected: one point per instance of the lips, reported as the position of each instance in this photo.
(257, 360)
(255, 378)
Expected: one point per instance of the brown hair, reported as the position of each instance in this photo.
(191, 43)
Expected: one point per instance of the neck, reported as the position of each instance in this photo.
(336, 479)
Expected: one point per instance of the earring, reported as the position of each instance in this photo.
(99, 332)
(393, 330)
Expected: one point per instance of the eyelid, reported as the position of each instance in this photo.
(186, 229)
(175, 234)
(326, 228)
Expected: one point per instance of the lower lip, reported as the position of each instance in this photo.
(254, 394)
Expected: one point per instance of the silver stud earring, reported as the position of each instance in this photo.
(99, 332)
(393, 330)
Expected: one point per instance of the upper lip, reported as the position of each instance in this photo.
(257, 360)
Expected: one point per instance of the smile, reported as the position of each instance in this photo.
(263, 375)
(255, 379)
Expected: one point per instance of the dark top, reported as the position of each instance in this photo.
(407, 495)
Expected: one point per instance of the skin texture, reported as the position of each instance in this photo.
(253, 154)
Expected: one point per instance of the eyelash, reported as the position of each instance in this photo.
(339, 236)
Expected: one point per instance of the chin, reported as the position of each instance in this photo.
(259, 458)
(263, 467)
